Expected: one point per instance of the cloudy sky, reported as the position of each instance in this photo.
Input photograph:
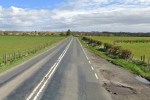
(77, 15)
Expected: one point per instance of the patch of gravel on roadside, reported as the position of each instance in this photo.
(120, 83)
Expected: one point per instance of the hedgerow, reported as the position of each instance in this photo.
(109, 48)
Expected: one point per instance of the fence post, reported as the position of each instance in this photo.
(14, 55)
(5, 59)
(144, 58)
(18, 55)
(148, 63)
(141, 58)
(9, 57)
(28, 51)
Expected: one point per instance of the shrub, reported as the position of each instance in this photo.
(116, 50)
(125, 54)
(107, 47)
(92, 41)
(99, 43)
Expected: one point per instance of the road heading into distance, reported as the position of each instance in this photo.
(61, 73)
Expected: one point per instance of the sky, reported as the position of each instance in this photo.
(77, 15)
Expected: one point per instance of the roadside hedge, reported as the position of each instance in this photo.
(109, 48)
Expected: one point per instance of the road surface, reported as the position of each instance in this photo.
(61, 73)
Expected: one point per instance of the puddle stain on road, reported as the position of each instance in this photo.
(143, 80)
(118, 89)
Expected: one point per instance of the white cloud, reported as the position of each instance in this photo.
(13, 17)
(81, 15)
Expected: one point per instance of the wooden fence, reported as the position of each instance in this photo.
(16, 55)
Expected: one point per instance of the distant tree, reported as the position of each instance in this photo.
(6, 33)
(62, 34)
(68, 32)
(24, 34)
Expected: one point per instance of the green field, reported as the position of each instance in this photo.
(10, 44)
(138, 49)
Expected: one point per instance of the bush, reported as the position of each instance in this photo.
(107, 47)
(91, 41)
(116, 50)
(125, 54)
(99, 43)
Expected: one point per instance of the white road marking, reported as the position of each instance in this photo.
(30, 96)
(89, 62)
(84, 51)
(92, 68)
(88, 59)
(47, 76)
(96, 76)
(60, 56)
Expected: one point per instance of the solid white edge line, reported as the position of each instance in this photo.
(96, 76)
(83, 50)
(88, 59)
(51, 71)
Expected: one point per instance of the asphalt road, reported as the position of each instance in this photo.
(61, 73)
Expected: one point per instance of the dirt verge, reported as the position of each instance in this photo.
(120, 83)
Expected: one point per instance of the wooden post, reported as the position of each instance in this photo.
(144, 58)
(18, 54)
(28, 51)
(148, 63)
(5, 59)
(9, 57)
(14, 55)
(141, 58)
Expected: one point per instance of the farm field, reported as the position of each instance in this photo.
(138, 49)
(10, 44)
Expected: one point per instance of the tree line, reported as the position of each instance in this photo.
(34, 33)
(138, 34)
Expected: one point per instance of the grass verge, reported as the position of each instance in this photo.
(129, 65)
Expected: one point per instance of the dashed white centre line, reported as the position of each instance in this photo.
(92, 68)
(96, 76)
(88, 59)
(89, 62)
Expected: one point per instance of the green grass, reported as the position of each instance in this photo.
(111, 39)
(14, 43)
(138, 49)
(129, 65)
(9, 44)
